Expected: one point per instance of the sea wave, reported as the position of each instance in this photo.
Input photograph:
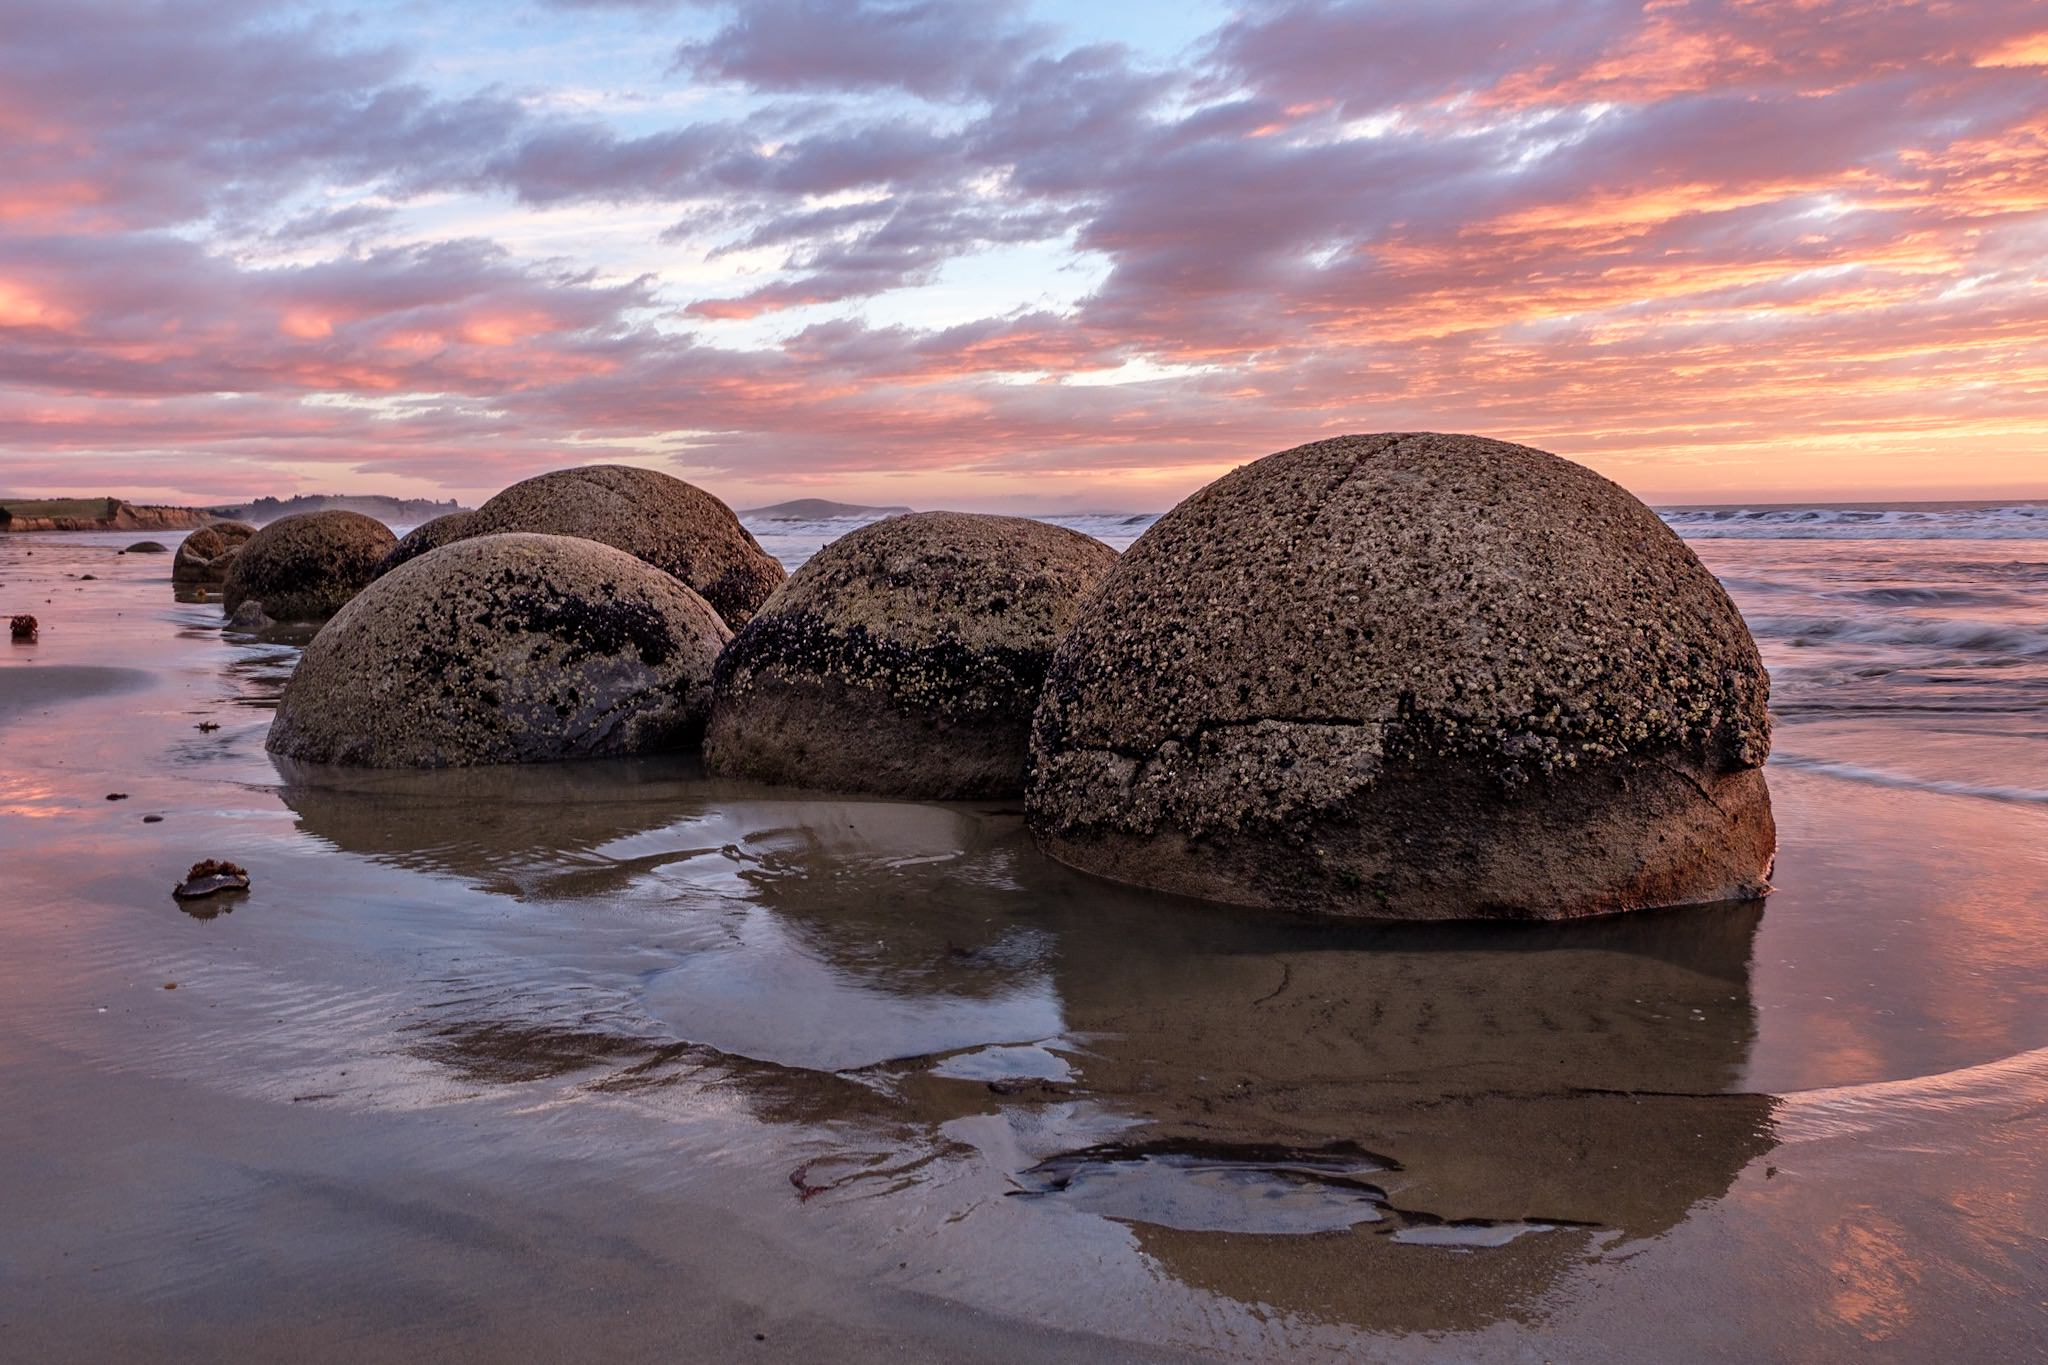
(1882, 777)
(1964, 637)
(2014, 521)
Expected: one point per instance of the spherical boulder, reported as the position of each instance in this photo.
(147, 547)
(675, 526)
(431, 535)
(905, 658)
(204, 556)
(306, 567)
(1410, 676)
(505, 649)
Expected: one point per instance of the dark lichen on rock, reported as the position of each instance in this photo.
(1414, 675)
(905, 658)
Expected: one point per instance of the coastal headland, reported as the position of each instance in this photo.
(118, 514)
(96, 514)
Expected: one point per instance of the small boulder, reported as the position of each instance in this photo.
(203, 557)
(147, 547)
(211, 878)
(675, 526)
(23, 629)
(1410, 676)
(505, 649)
(427, 536)
(250, 616)
(306, 567)
(905, 658)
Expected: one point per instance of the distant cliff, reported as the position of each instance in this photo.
(818, 509)
(95, 514)
(405, 511)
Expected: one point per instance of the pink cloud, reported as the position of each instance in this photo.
(1671, 237)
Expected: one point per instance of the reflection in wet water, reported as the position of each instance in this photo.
(936, 980)
(620, 996)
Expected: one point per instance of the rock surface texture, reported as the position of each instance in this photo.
(505, 649)
(431, 535)
(307, 567)
(905, 658)
(204, 556)
(675, 526)
(1410, 676)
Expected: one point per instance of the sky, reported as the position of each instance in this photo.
(1019, 255)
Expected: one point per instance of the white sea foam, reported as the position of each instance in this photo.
(1856, 772)
(1922, 521)
(1946, 634)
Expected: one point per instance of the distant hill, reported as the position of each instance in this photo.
(818, 509)
(410, 511)
(94, 514)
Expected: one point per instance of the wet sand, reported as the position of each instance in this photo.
(30, 693)
(614, 1061)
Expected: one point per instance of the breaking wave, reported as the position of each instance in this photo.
(1954, 636)
(2013, 521)
(1855, 772)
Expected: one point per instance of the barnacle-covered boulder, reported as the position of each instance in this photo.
(505, 649)
(306, 567)
(904, 658)
(431, 535)
(675, 526)
(1414, 676)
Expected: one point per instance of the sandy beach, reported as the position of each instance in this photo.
(589, 1060)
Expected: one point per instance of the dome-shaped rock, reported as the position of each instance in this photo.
(204, 556)
(431, 535)
(306, 567)
(1410, 676)
(904, 658)
(505, 649)
(147, 547)
(673, 525)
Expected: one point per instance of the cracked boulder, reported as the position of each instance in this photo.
(905, 658)
(505, 649)
(306, 567)
(204, 556)
(675, 526)
(1410, 676)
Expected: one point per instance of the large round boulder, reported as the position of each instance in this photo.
(204, 556)
(430, 535)
(905, 658)
(675, 526)
(505, 649)
(1410, 676)
(306, 567)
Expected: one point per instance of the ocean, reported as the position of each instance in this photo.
(615, 1058)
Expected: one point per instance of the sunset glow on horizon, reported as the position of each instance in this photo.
(991, 253)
